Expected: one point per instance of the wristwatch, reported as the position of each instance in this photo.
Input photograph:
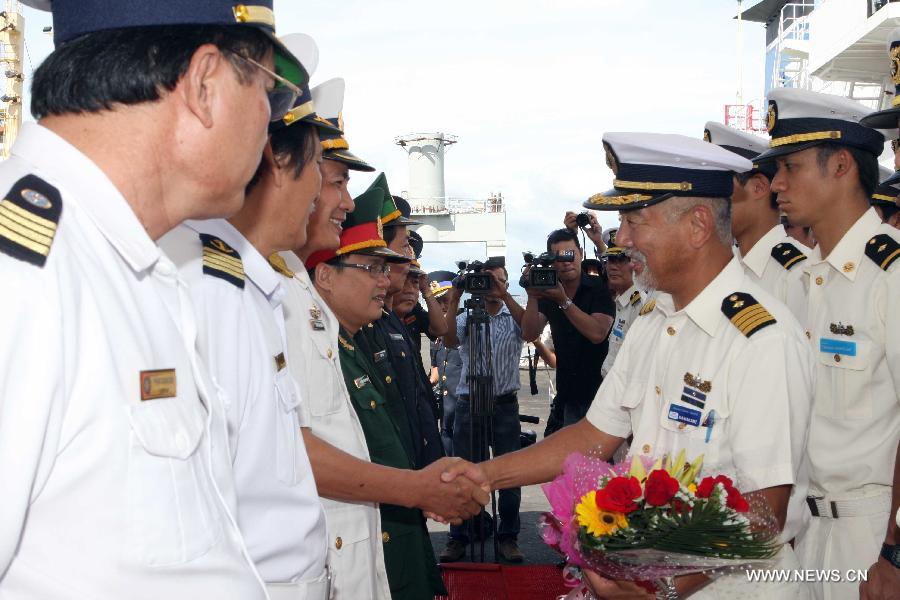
(891, 553)
(565, 307)
(665, 589)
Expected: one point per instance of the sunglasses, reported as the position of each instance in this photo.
(282, 96)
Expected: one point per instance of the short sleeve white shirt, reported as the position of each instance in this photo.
(691, 380)
(772, 275)
(628, 305)
(113, 451)
(242, 339)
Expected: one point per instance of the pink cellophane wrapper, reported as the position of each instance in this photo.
(559, 529)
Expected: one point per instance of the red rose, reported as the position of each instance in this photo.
(706, 486)
(736, 501)
(660, 488)
(619, 495)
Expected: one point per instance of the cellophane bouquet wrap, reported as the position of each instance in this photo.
(648, 519)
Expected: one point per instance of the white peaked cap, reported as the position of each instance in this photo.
(673, 150)
(328, 97)
(304, 48)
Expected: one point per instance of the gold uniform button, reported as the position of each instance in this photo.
(681, 426)
(444, 378)
(670, 331)
(819, 280)
(646, 448)
(372, 404)
(388, 378)
(330, 353)
(338, 542)
(403, 354)
(808, 336)
(385, 537)
(837, 358)
(658, 391)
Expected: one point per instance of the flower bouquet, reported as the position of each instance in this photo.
(649, 519)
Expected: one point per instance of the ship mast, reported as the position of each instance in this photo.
(12, 73)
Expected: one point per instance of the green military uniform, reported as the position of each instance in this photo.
(412, 569)
(408, 555)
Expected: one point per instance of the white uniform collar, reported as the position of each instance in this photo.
(706, 309)
(81, 180)
(758, 256)
(256, 267)
(624, 299)
(846, 256)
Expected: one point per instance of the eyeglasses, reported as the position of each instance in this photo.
(373, 270)
(282, 96)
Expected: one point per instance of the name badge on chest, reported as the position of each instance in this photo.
(830, 346)
(397, 337)
(317, 325)
(683, 414)
(380, 356)
(158, 384)
(361, 381)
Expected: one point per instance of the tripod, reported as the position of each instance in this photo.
(481, 407)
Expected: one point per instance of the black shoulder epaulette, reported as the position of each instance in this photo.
(883, 249)
(648, 308)
(788, 255)
(222, 261)
(746, 313)
(29, 214)
(635, 298)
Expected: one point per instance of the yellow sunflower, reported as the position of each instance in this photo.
(598, 521)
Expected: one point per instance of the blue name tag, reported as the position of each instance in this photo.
(683, 414)
(844, 347)
(618, 333)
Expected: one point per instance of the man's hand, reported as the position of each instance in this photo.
(557, 294)
(530, 291)
(569, 221)
(883, 582)
(608, 589)
(594, 232)
(424, 285)
(452, 500)
(471, 471)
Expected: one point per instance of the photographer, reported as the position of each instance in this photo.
(506, 342)
(580, 311)
(588, 223)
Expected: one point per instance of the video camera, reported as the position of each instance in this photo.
(472, 277)
(542, 275)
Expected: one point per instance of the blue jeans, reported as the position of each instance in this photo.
(506, 433)
(447, 423)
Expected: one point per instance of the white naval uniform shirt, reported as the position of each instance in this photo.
(760, 388)
(628, 305)
(242, 340)
(855, 423)
(107, 495)
(763, 269)
(355, 549)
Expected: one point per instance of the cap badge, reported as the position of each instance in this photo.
(772, 117)
(380, 226)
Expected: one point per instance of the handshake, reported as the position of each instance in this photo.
(450, 490)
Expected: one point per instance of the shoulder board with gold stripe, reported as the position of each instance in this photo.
(788, 255)
(29, 214)
(280, 266)
(648, 308)
(222, 261)
(884, 250)
(746, 313)
(635, 298)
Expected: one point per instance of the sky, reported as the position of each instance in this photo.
(528, 86)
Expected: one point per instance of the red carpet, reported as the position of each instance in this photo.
(467, 581)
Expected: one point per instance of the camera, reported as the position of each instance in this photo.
(473, 278)
(583, 219)
(542, 275)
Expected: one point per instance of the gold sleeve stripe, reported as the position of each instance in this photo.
(25, 230)
(41, 249)
(796, 259)
(749, 326)
(748, 314)
(37, 222)
(799, 138)
(214, 264)
(223, 258)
